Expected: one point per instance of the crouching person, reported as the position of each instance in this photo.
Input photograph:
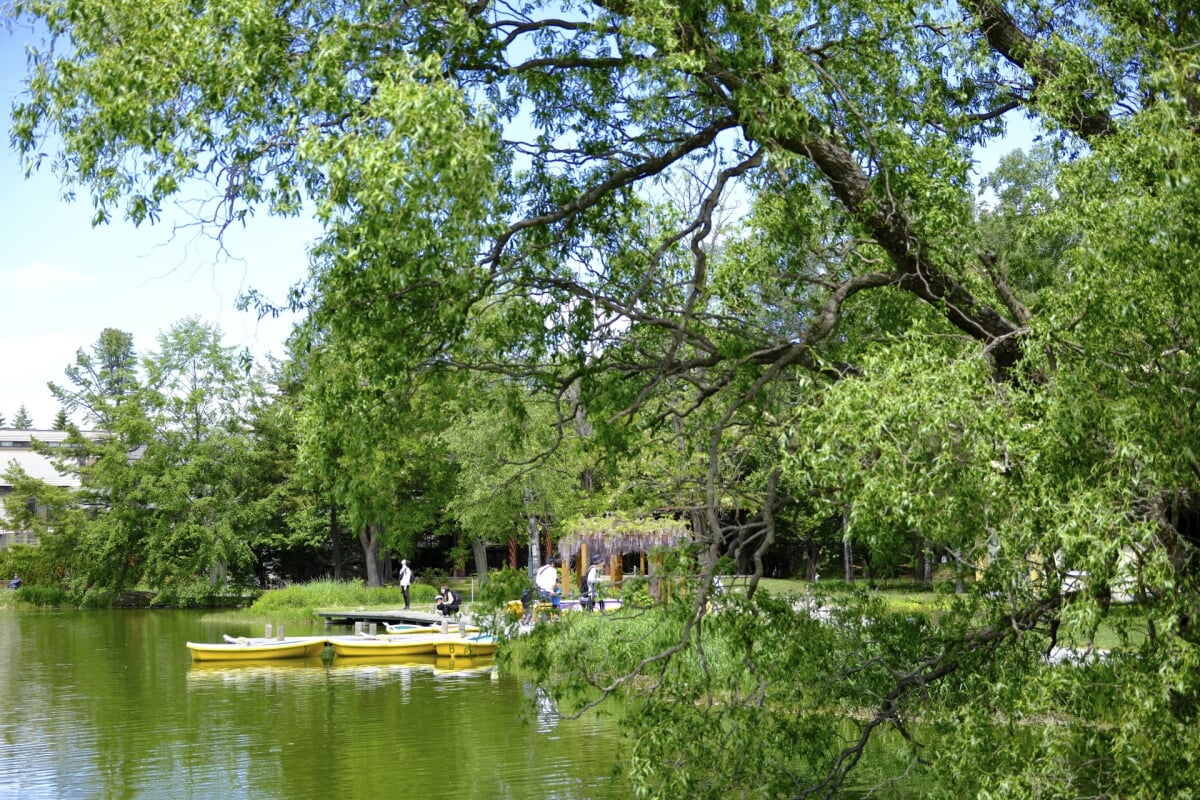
(448, 601)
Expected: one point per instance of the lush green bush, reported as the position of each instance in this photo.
(635, 592)
(196, 594)
(321, 594)
(502, 586)
(34, 564)
(434, 577)
(42, 595)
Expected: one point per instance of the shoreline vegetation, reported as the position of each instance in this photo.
(769, 658)
(298, 603)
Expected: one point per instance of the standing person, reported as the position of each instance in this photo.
(546, 578)
(592, 583)
(448, 601)
(406, 576)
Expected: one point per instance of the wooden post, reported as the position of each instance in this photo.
(568, 587)
(616, 574)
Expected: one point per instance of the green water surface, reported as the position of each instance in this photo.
(108, 704)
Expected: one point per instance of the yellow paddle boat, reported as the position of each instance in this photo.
(245, 648)
(387, 646)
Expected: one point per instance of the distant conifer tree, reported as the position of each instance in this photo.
(22, 422)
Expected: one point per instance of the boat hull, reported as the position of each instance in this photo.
(389, 647)
(258, 649)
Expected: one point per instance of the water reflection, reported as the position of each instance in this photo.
(246, 672)
(109, 705)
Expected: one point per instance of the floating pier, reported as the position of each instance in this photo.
(392, 617)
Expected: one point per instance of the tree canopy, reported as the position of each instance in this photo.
(827, 316)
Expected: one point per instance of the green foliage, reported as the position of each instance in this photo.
(502, 586)
(534, 195)
(192, 594)
(635, 592)
(101, 380)
(35, 565)
(22, 421)
(322, 594)
(44, 595)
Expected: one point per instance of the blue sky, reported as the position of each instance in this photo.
(63, 281)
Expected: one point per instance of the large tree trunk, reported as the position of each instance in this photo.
(335, 538)
(811, 556)
(847, 550)
(369, 538)
(535, 556)
(927, 566)
(479, 548)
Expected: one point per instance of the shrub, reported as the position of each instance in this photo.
(41, 595)
(328, 593)
(502, 586)
(35, 565)
(635, 593)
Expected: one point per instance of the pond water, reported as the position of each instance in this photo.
(108, 704)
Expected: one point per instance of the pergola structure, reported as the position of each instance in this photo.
(611, 537)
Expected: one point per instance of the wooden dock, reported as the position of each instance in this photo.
(392, 617)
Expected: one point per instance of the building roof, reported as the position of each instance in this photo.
(16, 446)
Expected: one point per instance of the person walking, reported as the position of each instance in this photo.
(406, 576)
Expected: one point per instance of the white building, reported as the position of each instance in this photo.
(16, 446)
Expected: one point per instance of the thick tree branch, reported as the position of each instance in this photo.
(891, 229)
(1006, 38)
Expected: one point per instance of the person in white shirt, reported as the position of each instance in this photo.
(546, 578)
(406, 576)
(592, 585)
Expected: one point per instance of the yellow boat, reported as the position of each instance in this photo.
(469, 647)
(244, 648)
(387, 646)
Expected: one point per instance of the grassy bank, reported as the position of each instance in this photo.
(299, 603)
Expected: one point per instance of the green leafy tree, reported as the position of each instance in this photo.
(516, 476)
(925, 368)
(371, 442)
(52, 515)
(289, 536)
(170, 483)
(100, 380)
